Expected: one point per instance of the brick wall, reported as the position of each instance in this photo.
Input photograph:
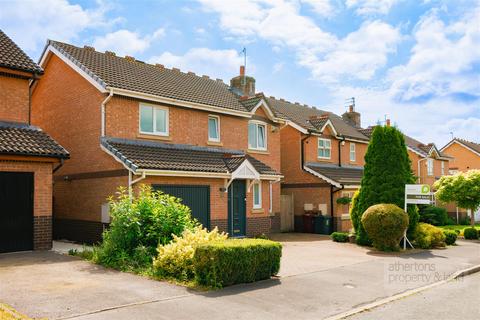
(14, 99)
(464, 159)
(42, 233)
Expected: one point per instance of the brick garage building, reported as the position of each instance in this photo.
(28, 157)
(127, 123)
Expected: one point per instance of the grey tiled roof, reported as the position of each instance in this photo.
(341, 175)
(472, 145)
(138, 154)
(302, 115)
(22, 139)
(134, 75)
(12, 57)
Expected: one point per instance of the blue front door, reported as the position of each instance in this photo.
(237, 217)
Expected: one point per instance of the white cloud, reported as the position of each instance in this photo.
(369, 7)
(215, 63)
(277, 67)
(125, 42)
(323, 8)
(31, 23)
(330, 59)
(443, 59)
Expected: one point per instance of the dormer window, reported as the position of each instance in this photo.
(153, 120)
(257, 136)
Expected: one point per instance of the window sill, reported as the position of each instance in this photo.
(258, 151)
(258, 210)
(214, 143)
(153, 137)
(324, 159)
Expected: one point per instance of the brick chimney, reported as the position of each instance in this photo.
(388, 122)
(352, 117)
(244, 84)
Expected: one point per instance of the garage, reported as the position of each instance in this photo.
(16, 216)
(197, 198)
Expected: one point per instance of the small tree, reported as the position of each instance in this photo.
(462, 188)
(387, 170)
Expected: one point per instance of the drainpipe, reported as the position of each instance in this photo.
(332, 192)
(340, 150)
(104, 103)
(59, 165)
(132, 182)
(302, 151)
(419, 171)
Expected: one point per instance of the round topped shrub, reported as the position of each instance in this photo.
(428, 236)
(385, 225)
(470, 233)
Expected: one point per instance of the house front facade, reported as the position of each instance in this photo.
(128, 123)
(28, 157)
(322, 160)
(465, 155)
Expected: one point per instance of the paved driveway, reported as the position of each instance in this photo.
(319, 278)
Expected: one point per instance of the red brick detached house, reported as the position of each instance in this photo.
(128, 123)
(28, 157)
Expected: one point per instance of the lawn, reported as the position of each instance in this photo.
(8, 313)
(459, 227)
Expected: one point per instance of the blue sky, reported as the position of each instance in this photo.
(416, 62)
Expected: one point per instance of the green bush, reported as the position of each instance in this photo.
(344, 200)
(175, 259)
(385, 224)
(138, 225)
(428, 236)
(387, 170)
(224, 263)
(470, 233)
(339, 236)
(465, 221)
(450, 237)
(434, 215)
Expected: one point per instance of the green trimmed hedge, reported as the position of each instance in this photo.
(470, 233)
(220, 264)
(339, 236)
(428, 236)
(450, 237)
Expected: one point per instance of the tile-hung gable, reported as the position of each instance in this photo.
(128, 75)
(12, 57)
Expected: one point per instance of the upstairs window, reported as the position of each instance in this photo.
(353, 155)
(257, 136)
(443, 168)
(430, 166)
(214, 128)
(324, 148)
(153, 120)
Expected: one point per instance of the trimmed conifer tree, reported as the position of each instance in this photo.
(387, 170)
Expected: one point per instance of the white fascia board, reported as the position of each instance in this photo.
(448, 145)
(351, 186)
(270, 177)
(332, 182)
(117, 159)
(74, 66)
(416, 152)
(176, 173)
(190, 105)
(353, 140)
(329, 123)
(296, 126)
(270, 114)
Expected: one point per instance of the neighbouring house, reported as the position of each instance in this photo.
(465, 156)
(428, 163)
(322, 160)
(28, 157)
(126, 122)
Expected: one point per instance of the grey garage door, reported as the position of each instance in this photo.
(197, 198)
(16, 211)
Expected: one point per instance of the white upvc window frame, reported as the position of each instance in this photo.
(217, 118)
(443, 167)
(154, 119)
(265, 127)
(430, 168)
(259, 204)
(353, 152)
(324, 140)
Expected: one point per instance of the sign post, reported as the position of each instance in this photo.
(416, 194)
